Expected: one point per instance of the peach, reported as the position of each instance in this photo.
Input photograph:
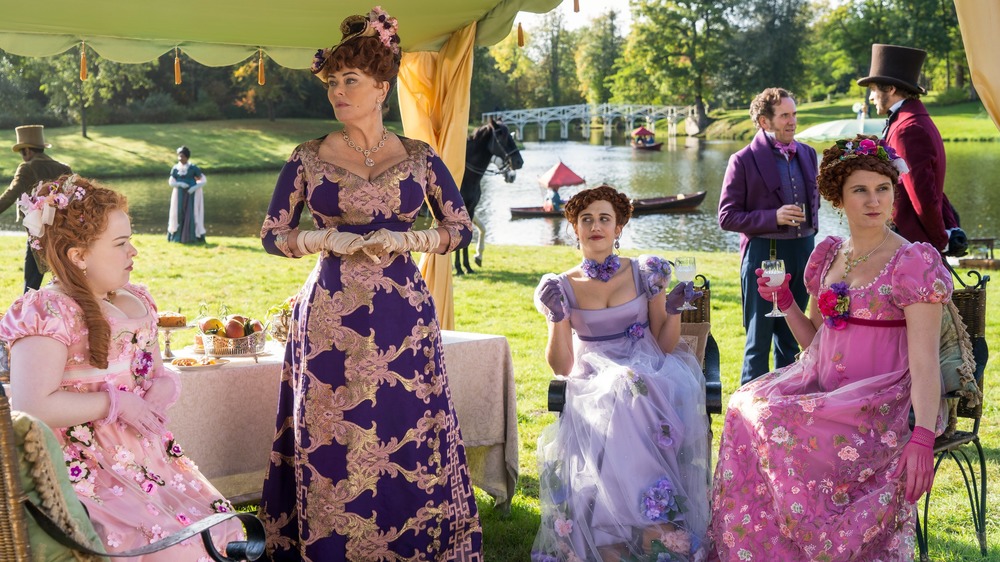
(234, 328)
(253, 326)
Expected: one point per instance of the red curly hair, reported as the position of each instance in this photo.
(77, 226)
(834, 171)
(619, 201)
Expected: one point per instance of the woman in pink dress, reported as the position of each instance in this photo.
(85, 360)
(817, 460)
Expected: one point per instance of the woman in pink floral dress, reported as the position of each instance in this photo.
(85, 360)
(817, 460)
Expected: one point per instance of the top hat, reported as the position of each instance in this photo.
(30, 136)
(895, 66)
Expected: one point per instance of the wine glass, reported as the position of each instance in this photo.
(684, 270)
(774, 272)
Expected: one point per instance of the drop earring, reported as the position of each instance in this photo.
(840, 215)
(618, 244)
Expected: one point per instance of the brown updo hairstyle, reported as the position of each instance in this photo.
(834, 170)
(619, 201)
(368, 55)
(77, 226)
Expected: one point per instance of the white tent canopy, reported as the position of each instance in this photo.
(226, 32)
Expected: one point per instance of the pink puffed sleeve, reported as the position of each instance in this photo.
(43, 313)
(919, 276)
(821, 255)
(654, 274)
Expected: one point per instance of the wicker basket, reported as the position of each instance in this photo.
(249, 345)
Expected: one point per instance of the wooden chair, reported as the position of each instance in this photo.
(710, 366)
(963, 445)
(15, 506)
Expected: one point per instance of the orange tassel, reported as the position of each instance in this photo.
(177, 67)
(576, 5)
(520, 35)
(260, 67)
(83, 61)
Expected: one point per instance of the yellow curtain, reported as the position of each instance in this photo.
(979, 21)
(434, 105)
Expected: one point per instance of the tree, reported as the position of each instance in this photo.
(554, 52)
(679, 44)
(766, 49)
(281, 85)
(600, 46)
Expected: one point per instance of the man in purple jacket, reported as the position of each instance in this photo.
(922, 212)
(769, 196)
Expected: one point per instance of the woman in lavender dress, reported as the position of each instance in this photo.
(624, 471)
(817, 460)
(368, 461)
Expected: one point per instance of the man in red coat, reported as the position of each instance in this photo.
(922, 212)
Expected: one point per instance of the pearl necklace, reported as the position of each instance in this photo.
(367, 153)
(851, 264)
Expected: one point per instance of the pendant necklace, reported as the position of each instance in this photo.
(367, 153)
(851, 264)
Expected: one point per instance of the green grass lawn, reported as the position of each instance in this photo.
(236, 272)
(959, 122)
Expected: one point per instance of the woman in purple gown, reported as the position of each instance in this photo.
(368, 461)
(817, 460)
(624, 471)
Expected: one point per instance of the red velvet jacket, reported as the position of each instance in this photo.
(923, 212)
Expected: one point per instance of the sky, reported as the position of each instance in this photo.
(589, 9)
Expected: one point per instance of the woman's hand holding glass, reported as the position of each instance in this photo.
(772, 285)
(685, 270)
(682, 293)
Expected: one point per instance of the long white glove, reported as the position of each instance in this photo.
(198, 183)
(174, 182)
(340, 243)
(387, 241)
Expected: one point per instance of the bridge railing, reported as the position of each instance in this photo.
(603, 115)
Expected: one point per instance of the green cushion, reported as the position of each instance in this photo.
(44, 547)
(957, 368)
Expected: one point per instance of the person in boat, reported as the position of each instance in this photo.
(553, 202)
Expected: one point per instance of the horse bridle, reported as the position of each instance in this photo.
(505, 165)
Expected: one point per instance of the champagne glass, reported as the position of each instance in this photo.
(684, 270)
(774, 272)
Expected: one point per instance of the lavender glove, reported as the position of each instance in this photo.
(681, 293)
(782, 293)
(549, 299)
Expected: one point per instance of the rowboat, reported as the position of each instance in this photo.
(684, 202)
(642, 146)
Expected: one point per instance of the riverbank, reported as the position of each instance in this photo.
(498, 300)
(960, 122)
(246, 145)
(218, 147)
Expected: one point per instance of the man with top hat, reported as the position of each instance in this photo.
(922, 212)
(37, 167)
(769, 197)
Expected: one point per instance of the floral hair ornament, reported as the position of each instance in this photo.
(40, 210)
(879, 149)
(378, 23)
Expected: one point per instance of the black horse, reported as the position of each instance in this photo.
(491, 143)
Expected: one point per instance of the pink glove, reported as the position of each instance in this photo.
(781, 292)
(917, 459)
(135, 411)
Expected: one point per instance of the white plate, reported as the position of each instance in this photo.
(218, 363)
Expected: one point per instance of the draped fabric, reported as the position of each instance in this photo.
(227, 32)
(979, 22)
(434, 105)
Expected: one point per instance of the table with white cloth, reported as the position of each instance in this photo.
(224, 418)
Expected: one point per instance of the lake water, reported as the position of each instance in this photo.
(236, 203)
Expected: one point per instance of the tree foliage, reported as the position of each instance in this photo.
(600, 46)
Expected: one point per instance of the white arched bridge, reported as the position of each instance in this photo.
(602, 115)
